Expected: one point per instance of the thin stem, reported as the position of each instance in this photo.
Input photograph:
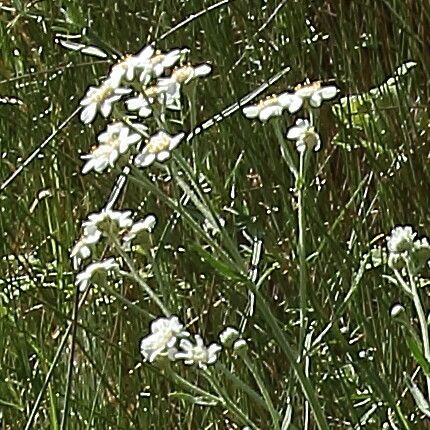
(135, 275)
(423, 324)
(229, 403)
(273, 412)
(302, 251)
(63, 424)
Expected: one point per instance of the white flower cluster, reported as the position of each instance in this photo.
(117, 226)
(312, 94)
(163, 341)
(147, 70)
(115, 141)
(405, 250)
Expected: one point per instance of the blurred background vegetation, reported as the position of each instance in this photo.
(371, 174)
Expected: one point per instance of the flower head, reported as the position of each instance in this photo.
(107, 222)
(401, 239)
(81, 251)
(197, 353)
(145, 225)
(305, 136)
(101, 98)
(158, 63)
(158, 148)
(314, 92)
(115, 141)
(229, 336)
(171, 87)
(405, 250)
(271, 106)
(164, 333)
(128, 66)
(84, 278)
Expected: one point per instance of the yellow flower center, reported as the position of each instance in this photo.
(183, 74)
(152, 91)
(269, 101)
(316, 85)
(158, 144)
(102, 94)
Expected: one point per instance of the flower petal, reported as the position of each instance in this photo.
(270, 111)
(251, 111)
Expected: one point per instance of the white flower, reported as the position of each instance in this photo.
(164, 333)
(229, 336)
(271, 106)
(127, 67)
(158, 148)
(107, 222)
(138, 227)
(313, 92)
(115, 141)
(81, 251)
(171, 86)
(197, 353)
(304, 135)
(83, 279)
(401, 239)
(101, 98)
(158, 63)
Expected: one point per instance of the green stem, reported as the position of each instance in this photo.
(301, 250)
(273, 413)
(229, 403)
(423, 324)
(135, 275)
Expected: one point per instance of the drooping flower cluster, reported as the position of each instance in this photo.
(118, 228)
(150, 71)
(407, 251)
(309, 94)
(167, 339)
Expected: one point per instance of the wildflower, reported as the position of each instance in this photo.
(401, 239)
(313, 92)
(158, 63)
(107, 222)
(397, 310)
(115, 141)
(229, 336)
(137, 228)
(127, 67)
(240, 346)
(305, 136)
(171, 86)
(83, 279)
(164, 333)
(81, 251)
(101, 98)
(158, 148)
(271, 106)
(197, 353)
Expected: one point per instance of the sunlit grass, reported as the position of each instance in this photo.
(371, 174)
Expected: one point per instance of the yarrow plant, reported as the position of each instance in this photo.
(309, 96)
(148, 83)
(408, 257)
(136, 96)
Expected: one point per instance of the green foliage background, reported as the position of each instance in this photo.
(372, 173)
